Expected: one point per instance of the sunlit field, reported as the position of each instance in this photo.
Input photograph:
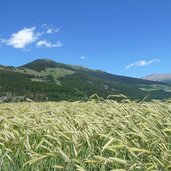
(85, 136)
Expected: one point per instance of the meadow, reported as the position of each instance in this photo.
(85, 136)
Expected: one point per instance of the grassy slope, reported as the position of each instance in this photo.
(91, 136)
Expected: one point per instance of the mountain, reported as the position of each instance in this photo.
(166, 78)
(44, 79)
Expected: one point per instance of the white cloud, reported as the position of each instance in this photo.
(142, 63)
(45, 43)
(82, 57)
(22, 38)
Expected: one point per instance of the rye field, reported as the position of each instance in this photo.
(85, 136)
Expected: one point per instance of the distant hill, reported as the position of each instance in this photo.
(44, 79)
(166, 78)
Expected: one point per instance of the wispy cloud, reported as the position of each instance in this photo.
(142, 63)
(50, 29)
(82, 57)
(2, 41)
(48, 44)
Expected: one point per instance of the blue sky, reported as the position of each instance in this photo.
(125, 37)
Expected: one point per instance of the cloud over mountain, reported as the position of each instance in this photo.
(142, 63)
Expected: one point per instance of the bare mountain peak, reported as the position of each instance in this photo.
(166, 78)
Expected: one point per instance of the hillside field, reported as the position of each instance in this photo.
(85, 136)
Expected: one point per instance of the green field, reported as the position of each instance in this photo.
(85, 136)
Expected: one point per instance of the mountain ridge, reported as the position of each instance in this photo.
(166, 77)
(48, 63)
(44, 79)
